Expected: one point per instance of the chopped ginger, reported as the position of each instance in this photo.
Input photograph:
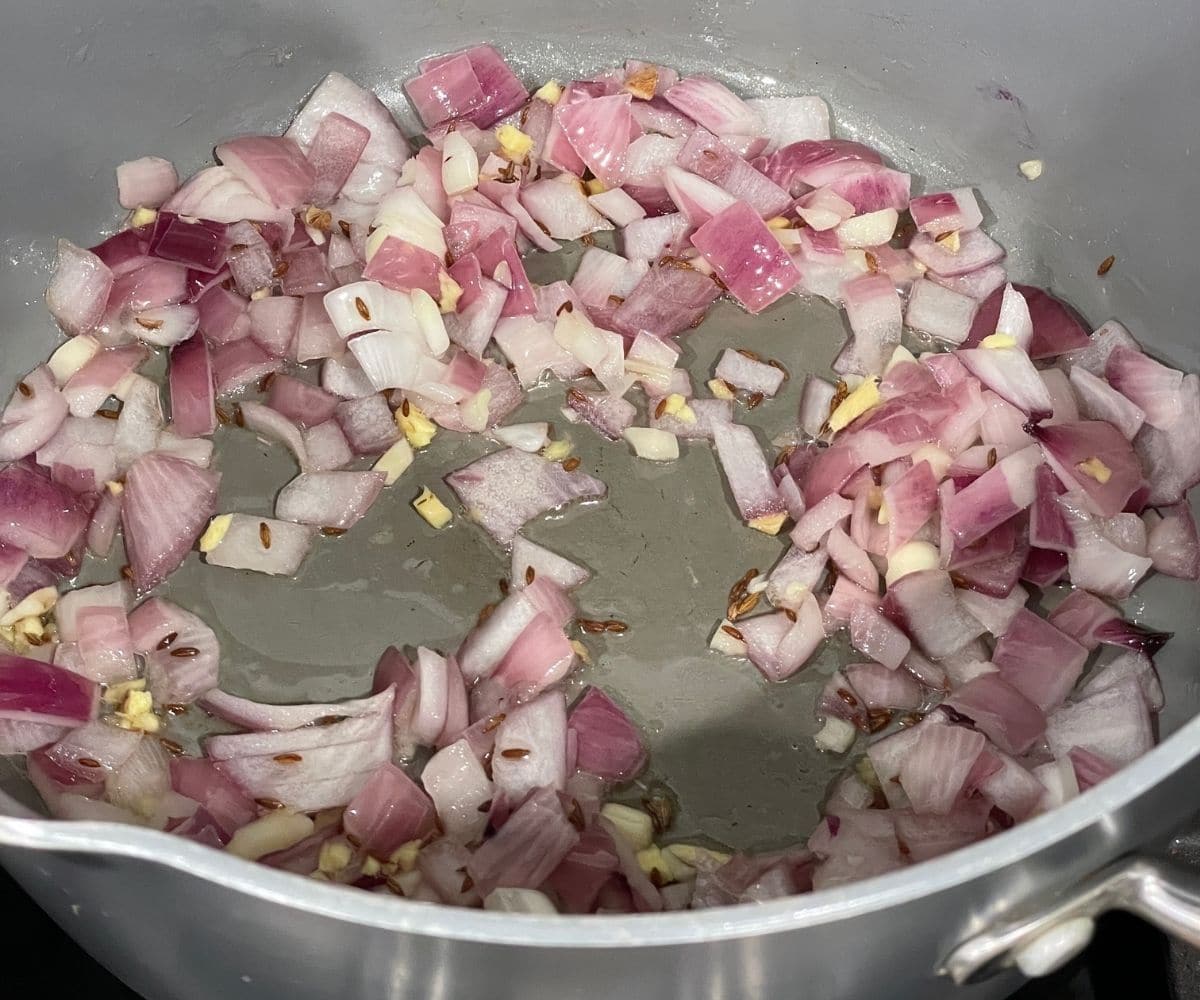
(769, 524)
(142, 216)
(720, 389)
(515, 145)
(950, 241)
(137, 712)
(218, 527)
(449, 292)
(114, 694)
(435, 513)
(997, 341)
(404, 857)
(595, 186)
(556, 451)
(1096, 469)
(550, 92)
(417, 428)
(1031, 170)
(862, 399)
(779, 222)
(393, 462)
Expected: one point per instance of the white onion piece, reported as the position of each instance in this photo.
(367, 305)
(531, 437)
(404, 215)
(460, 164)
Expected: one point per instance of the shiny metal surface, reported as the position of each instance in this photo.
(1165, 894)
(957, 92)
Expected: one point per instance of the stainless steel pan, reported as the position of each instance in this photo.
(955, 91)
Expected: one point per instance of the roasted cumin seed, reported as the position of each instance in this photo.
(575, 816)
(791, 615)
(405, 408)
(588, 240)
(87, 762)
(736, 633)
(223, 416)
(148, 324)
(991, 457)
(273, 804)
(589, 625)
(287, 758)
(239, 418)
(264, 383)
(330, 720)
(485, 613)
(173, 748)
(127, 571)
(264, 534)
(779, 366)
(743, 606)
(566, 307)
(661, 408)
(333, 532)
(468, 884)
(110, 414)
(185, 652)
(848, 697)
(344, 226)
(174, 709)
(576, 396)
(877, 719)
(738, 590)
(494, 721)
(571, 464)
(361, 306)
(515, 753)
(872, 261)
(615, 627)
(661, 810)
(745, 352)
(166, 640)
(1106, 265)
(503, 584)
(755, 400)
(484, 806)
(530, 574)
(25, 389)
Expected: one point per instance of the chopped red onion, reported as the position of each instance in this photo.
(530, 749)
(527, 849)
(1114, 723)
(166, 503)
(608, 744)
(39, 516)
(1152, 387)
(41, 693)
(940, 312)
(504, 490)
(388, 811)
(716, 107)
(874, 636)
(263, 545)
(458, 786)
(33, 416)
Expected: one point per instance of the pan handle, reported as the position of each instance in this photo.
(1040, 937)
